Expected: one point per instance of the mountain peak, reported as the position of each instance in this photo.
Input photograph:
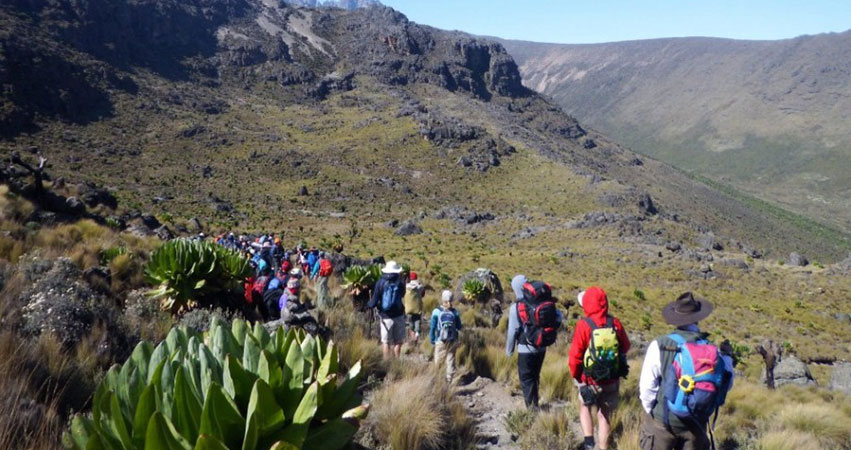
(342, 4)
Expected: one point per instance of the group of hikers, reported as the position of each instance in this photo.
(683, 381)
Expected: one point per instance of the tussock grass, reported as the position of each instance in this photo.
(788, 440)
(551, 430)
(832, 427)
(420, 413)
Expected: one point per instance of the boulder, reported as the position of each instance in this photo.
(303, 191)
(150, 221)
(646, 206)
(791, 370)
(194, 226)
(491, 281)
(99, 196)
(75, 206)
(735, 262)
(408, 228)
(674, 246)
(797, 260)
(708, 241)
(840, 379)
(164, 233)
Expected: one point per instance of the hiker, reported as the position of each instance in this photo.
(258, 289)
(312, 256)
(414, 306)
(387, 297)
(771, 355)
(294, 312)
(530, 336)
(684, 380)
(322, 269)
(444, 327)
(597, 362)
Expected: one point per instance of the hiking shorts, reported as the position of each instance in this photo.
(608, 397)
(393, 330)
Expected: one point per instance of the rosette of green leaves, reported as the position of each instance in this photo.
(186, 273)
(361, 277)
(473, 289)
(234, 387)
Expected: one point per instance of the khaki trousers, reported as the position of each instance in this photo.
(445, 353)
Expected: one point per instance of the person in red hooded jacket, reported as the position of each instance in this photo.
(600, 393)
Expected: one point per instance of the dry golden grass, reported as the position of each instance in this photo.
(788, 440)
(419, 412)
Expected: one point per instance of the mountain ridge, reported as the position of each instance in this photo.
(764, 116)
(249, 92)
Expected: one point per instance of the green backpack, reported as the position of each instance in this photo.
(602, 361)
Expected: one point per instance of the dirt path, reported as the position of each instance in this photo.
(490, 402)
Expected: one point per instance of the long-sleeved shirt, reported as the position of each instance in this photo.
(514, 332)
(375, 301)
(433, 332)
(652, 371)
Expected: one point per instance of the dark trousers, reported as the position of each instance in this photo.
(529, 369)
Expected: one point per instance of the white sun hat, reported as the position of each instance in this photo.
(392, 267)
(579, 297)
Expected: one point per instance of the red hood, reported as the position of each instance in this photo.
(595, 304)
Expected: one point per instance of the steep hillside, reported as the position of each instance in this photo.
(224, 110)
(769, 117)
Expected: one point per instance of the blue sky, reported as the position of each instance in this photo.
(589, 21)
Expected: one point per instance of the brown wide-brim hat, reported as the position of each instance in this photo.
(686, 309)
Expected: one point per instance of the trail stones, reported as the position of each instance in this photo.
(797, 260)
(735, 262)
(840, 379)
(408, 228)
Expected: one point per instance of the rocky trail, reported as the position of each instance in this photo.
(490, 402)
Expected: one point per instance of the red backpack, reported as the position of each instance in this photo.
(538, 313)
(325, 268)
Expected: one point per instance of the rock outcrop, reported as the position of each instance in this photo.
(791, 370)
(840, 378)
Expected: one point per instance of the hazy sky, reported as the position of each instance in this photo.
(588, 21)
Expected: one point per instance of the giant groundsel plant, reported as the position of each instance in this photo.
(234, 387)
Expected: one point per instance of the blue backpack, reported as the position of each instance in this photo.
(696, 383)
(391, 296)
(447, 331)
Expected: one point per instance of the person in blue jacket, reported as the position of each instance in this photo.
(444, 328)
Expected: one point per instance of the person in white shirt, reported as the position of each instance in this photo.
(661, 428)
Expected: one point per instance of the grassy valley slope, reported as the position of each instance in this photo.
(768, 117)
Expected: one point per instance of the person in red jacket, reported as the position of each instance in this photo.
(601, 393)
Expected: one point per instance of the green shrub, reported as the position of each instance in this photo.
(194, 273)
(232, 387)
(107, 255)
(639, 294)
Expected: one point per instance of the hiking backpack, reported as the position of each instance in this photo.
(603, 359)
(446, 325)
(390, 296)
(538, 313)
(696, 383)
(260, 285)
(325, 268)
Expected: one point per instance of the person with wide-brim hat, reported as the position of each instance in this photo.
(387, 297)
(662, 430)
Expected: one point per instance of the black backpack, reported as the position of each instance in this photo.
(537, 311)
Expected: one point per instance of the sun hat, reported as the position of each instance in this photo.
(579, 297)
(686, 309)
(447, 296)
(392, 267)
